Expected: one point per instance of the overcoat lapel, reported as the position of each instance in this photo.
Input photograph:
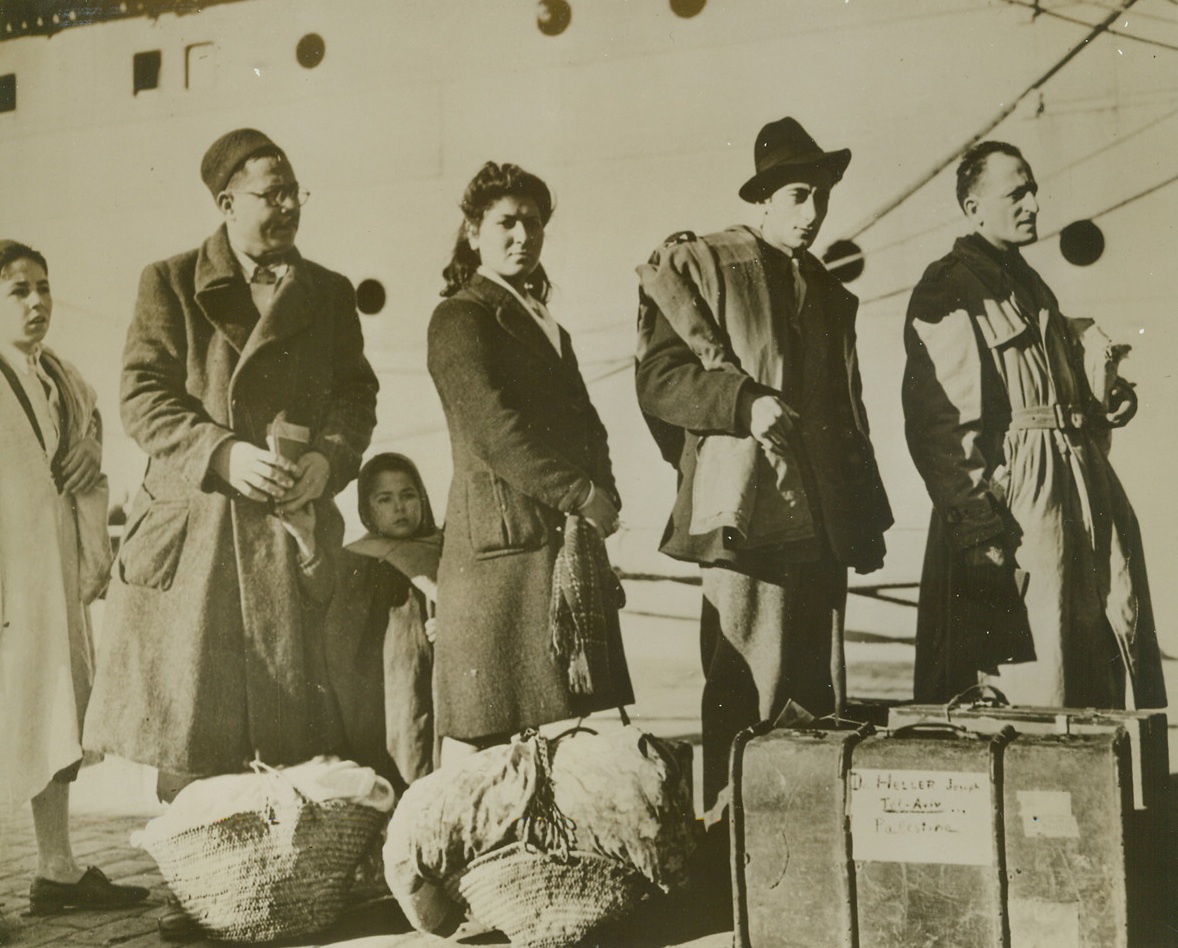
(999, 283)
(224, 298)
(221, 292)
(289, 314)
(567, 356)
(830, 318)
(521, 325)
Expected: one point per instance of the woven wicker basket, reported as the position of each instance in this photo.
(539, 901)
(256, 877)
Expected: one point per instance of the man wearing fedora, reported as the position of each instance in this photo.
(210, 655)
(748, 376)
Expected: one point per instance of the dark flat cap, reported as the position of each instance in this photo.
(230, 152)
(783, 148)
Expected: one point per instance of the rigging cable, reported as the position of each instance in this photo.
(956, 219)
(1138, 14)
(1079, 22)
(1055, 233)
(993, 123)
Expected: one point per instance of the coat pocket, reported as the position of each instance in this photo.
(152, 543)
(502, 520)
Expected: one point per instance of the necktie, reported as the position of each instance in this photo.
(265, 275)
(790, 294)
(263, 285)
(799, 284)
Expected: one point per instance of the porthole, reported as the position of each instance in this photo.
(370, 297)
(844, 250)
(553, 17)
(310, 50)
(1081, 243)
(687, 8)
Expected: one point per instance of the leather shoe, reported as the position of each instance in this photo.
(93, 891)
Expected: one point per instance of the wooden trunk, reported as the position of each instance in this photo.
(792, 879)
(1065, 800)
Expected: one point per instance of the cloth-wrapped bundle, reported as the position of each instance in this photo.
(266, 855)
(216, 798)
(628, 795)
(446, 820)
(625, 796)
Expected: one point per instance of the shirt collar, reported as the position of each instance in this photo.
(1000, 269)
(249, 265)
(530, 303)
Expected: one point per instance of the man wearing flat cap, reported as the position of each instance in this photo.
(748, 376)
(210, 655)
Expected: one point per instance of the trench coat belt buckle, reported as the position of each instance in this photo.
(1060, 417)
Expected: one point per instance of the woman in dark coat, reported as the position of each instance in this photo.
(528, 450)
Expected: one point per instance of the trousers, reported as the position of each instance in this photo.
(763, 642)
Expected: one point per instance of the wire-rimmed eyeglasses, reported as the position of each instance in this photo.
(279, 194)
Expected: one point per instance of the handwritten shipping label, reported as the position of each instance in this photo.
(931, 816)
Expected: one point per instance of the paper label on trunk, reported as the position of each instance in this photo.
(927, 816)
(1048, 813)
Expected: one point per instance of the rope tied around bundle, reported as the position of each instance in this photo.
(544, 826)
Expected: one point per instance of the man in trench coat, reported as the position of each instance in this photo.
(210, 654)
(749, 377)
(1034, 576)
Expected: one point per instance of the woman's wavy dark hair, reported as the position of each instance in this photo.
(492, 183)
(13, 250)
(390, 461)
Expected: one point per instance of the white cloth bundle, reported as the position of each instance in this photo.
(628, 795)
(321, 779)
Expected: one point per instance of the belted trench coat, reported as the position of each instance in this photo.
(1005, 431)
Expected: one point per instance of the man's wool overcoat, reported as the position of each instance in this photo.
(212, 652)
(526, 444)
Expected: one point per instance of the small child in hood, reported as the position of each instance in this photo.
(380, 625)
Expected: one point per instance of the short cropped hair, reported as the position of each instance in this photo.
(973, 164)
(12, 250)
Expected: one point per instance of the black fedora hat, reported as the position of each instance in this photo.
(782, 148)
